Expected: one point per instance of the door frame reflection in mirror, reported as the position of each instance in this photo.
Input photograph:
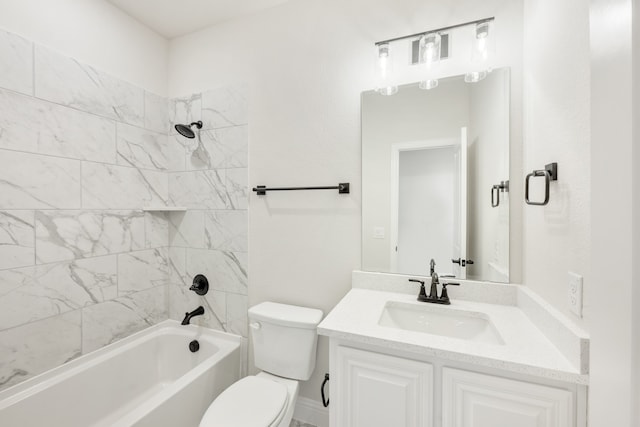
(458, 202)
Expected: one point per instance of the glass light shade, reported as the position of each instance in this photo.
(474, 76)
(384, 70)
(430, 57)
(480, 53)
(428, 84)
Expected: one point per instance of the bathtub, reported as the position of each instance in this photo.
(150, 378)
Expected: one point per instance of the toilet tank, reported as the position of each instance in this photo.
(284, 339)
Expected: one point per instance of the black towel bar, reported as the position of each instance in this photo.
(261, 190)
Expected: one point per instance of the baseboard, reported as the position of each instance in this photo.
(311, 411)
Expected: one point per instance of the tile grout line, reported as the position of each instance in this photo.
(48, 101)
(81, 182)
(77, 159)
(129, 294)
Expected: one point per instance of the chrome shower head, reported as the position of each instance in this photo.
(186, 131)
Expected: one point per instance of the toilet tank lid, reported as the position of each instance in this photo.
(286, 315)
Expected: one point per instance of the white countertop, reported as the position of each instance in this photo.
(526, 349)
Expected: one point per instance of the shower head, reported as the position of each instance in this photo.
(186, 131)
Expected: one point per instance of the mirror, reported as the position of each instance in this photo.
(435, 172)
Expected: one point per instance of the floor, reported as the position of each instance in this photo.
(296, 423)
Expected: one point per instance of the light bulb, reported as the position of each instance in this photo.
(430, 54)
(430, 49)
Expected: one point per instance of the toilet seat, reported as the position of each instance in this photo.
(251, 402)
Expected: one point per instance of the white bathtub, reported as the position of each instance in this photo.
(148, 379)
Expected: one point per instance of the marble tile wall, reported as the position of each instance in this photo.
(81, 264)
(210, 238)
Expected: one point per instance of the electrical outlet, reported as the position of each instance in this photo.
(575, 293)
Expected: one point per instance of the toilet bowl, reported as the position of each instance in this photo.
(284, 339)
(262, 400)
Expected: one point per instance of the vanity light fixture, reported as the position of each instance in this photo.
(430, 55)
(384, 70)
(479, 53)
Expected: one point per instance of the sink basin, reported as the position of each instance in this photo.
(436, 320)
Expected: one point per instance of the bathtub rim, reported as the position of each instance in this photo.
(226, 342)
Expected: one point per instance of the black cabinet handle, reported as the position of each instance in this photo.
(325, 400)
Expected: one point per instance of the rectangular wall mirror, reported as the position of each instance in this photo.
(435, 173)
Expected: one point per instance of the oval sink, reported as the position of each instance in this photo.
(435, 320)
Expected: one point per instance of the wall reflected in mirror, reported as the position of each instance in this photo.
(433, 162)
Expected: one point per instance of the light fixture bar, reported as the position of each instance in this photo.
(450, 27)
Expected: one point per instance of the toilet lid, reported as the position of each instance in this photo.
(250, 402)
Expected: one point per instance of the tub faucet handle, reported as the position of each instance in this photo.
(200, 284)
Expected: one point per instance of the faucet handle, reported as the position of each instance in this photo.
(444, 296)
(423, 293)
(200, 285)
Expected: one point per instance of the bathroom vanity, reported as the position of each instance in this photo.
(498, 356)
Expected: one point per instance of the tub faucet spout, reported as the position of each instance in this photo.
(197, 312)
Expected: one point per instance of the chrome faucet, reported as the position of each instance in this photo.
(433, 293)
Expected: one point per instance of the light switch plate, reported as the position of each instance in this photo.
(378, 232)
(575, 294)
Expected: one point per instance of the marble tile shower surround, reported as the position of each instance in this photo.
(210, 238)
(81, 263)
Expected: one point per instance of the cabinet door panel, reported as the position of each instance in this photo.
(476, 400)
(377, 390)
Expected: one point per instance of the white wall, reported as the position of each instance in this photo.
(615, 184)
(580, 103)
(556, 129)
(93, 32)
(635, 322)
(307, 62)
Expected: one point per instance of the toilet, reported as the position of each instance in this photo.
(284, 345)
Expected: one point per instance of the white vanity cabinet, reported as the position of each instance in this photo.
(378, 390)
(470, 399)
(374, 389)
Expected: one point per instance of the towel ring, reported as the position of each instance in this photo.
(550, 173)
